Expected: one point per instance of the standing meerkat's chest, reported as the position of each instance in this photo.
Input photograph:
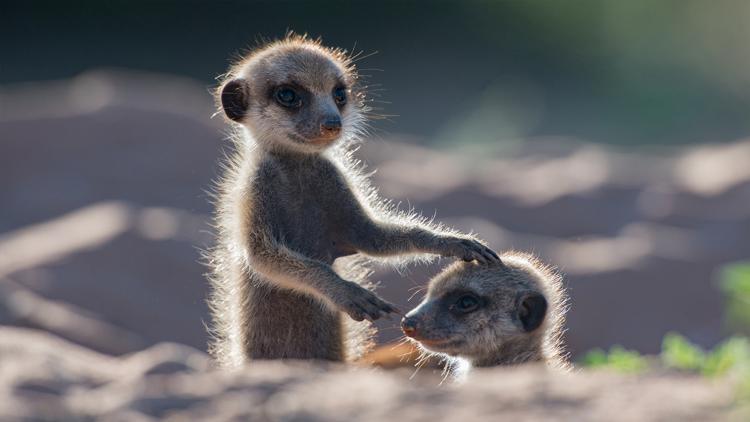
(306, 209)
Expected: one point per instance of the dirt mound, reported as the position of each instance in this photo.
(46, 378)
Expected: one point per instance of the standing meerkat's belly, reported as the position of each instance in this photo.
(283, 324)
(309, 220)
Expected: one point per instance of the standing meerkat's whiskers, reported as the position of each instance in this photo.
(295, 213)
(501, 314)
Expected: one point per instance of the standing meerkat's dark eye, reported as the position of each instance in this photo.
(339, 95)
(465, 304)
(287, 97)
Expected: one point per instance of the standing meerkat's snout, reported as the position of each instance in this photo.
(501, 314)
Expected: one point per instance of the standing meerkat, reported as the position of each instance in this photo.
(501, 314)
(293, 207)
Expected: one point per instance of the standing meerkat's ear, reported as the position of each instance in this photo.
(235, 99)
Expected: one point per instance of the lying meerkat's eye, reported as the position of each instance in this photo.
(287, 97)
(339, 95)
(466, 303)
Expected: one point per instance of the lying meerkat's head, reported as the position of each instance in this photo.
(294, 94)
(491, 314)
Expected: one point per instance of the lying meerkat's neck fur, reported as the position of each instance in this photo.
(529, 350)
(520, 350)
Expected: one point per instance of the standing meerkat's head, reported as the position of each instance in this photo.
(492, 314)
(294, 94)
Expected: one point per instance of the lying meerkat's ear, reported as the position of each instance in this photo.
(235, 99)
(532, 309)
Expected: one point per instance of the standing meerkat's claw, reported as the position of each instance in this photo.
(468, 250)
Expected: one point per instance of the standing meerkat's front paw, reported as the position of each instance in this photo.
(360, 303)
(469, 250)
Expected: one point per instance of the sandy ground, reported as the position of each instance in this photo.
(46, 378)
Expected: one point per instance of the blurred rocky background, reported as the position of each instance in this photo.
(610, 138)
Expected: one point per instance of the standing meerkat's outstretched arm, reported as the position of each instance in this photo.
(374, 237)
(386, 239)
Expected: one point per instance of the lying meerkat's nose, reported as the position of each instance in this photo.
(331, 126)
(409, 326)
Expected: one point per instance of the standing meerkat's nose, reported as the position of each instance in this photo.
(409, 326)
(331, 126)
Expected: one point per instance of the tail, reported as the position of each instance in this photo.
(225, 303)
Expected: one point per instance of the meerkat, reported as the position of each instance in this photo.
(505, 313)
(297, 219)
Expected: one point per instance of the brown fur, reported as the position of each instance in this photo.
(494, 333)
(296, 216)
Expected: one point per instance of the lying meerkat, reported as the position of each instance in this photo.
(503, 314)
(293, 202)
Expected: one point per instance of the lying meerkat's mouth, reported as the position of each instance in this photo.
(441, 344)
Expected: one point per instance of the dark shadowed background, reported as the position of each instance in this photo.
(608, 137)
